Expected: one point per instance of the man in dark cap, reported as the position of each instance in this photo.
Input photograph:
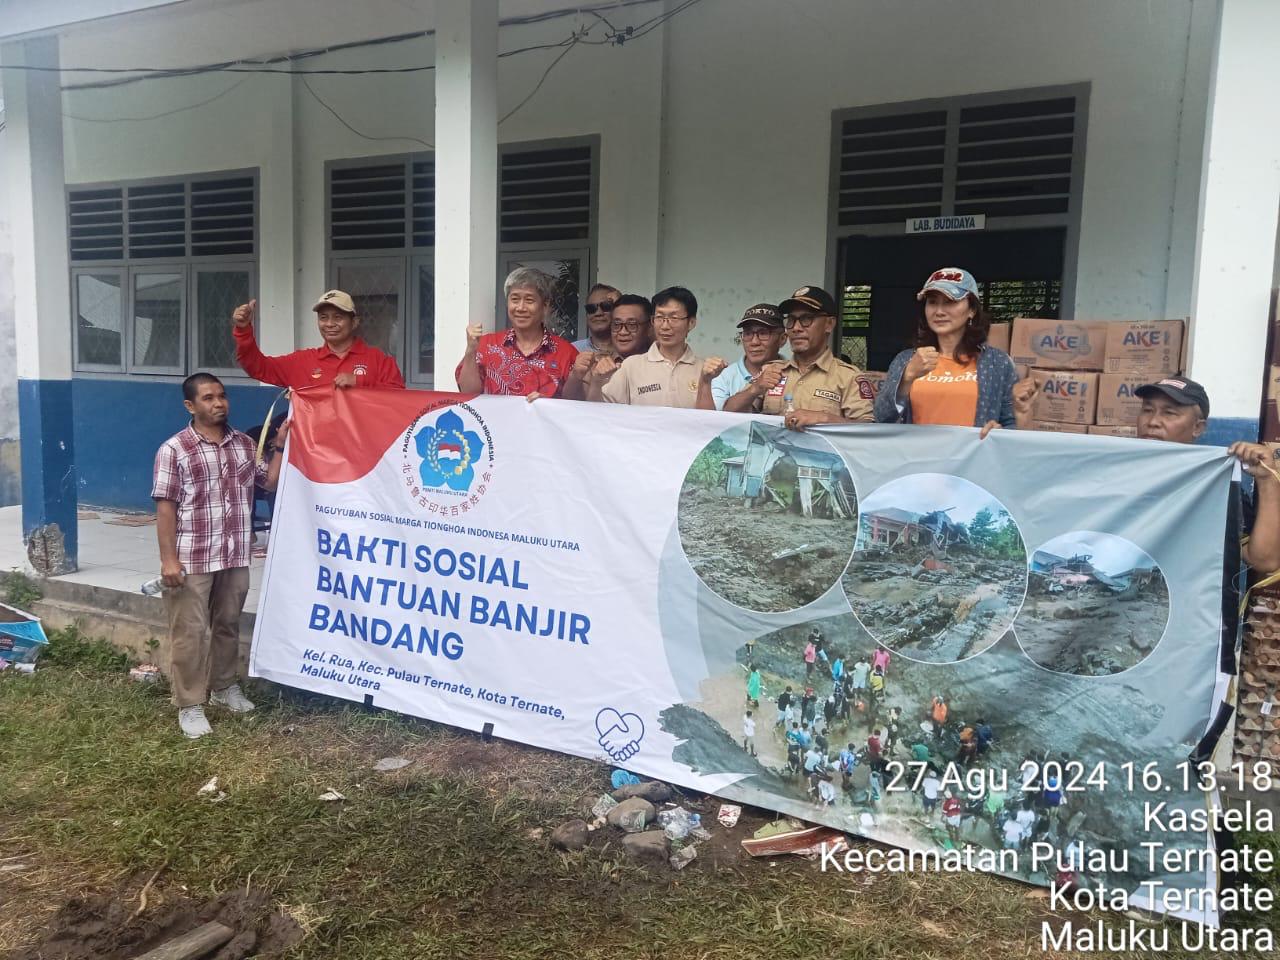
(742, 385)
(1176, 409)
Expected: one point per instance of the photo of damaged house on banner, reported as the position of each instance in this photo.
(877, 628)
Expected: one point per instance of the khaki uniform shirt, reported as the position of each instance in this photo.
(651, 380)
(829, 386)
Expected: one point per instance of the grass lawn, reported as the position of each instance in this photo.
(446, 858)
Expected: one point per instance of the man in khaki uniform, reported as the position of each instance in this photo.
(822, 387)
(669, 373)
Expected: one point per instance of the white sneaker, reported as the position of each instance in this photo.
(193, 722)
(232, 698)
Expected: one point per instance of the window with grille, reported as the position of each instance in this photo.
(1009, 155)
(157, 268)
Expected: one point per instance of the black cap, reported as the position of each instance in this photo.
(762, 313)
(1180, 390)
(815, 298)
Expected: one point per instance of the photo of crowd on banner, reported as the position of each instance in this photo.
(637, 352)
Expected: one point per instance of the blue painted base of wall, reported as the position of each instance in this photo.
(119, 425)
(1224, 431)
(46, 426)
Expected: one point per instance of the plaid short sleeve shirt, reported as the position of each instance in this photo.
(212, 484)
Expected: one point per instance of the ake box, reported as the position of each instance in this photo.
(1048, 426)
(1059, 344)
(1114, 430)
(1117, 404)
(1150, 349)
(1066, 396)
(21, 636)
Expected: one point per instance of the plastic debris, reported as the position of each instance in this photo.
(145, 673)
(331, 795)
(729, 814)
(808, 843)
(387, 764)
(633, 821)
(622, 778)
(601, 808)
(211, 792)
(683, 857)
(700, 833)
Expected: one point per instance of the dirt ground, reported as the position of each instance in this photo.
(732, 549)
(1095, 633)
(137, 917)
(933, 615)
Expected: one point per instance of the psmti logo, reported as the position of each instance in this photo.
(448, 460)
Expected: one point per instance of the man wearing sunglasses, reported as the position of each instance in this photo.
(599, 310)
(741, 386)
(821, 387)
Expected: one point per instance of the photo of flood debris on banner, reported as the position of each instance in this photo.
(887, 630)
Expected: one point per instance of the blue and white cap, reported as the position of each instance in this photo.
(954, 282)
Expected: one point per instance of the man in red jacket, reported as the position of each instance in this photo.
(345, 360)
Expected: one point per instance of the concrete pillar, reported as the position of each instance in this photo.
(466, 139)
(1239, 204)
(42, 302)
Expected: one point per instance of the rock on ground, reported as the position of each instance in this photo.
(571, 835)
(651, 846)
(635, 809)
(655, 792)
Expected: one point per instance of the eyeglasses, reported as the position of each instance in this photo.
(758, 334)
(604, 306)
(668, 318)
(631, 326)
(802, 320)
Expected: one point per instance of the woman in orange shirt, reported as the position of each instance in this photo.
(954, 377)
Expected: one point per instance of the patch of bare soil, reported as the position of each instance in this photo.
(109, 926)
(764, 557)
(958, 609)
(1094, 632)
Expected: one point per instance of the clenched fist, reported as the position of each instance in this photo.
(770, 377)
(605, 366)
(243, 315)
(1024, 396)
(474, 332)
(922, 362)
(582, 364)
(712, 367)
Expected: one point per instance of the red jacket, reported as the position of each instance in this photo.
(316, 365)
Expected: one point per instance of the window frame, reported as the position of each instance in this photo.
(123, 275)
(128, 265)
(157, 268)
(193, 300)
(1071, 219)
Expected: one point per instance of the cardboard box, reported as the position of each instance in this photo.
(1059, 344)
(1152, 349)
(869, 383)
(1114, 430)
(1048, 426)
(999, 335)
(1066, 396)
(1117, 404)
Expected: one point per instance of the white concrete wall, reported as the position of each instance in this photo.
(8, 361)
(748, 122)
(715, 136)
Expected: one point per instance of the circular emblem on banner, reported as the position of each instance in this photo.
(448, 460)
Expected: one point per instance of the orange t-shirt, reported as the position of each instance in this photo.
(947, 395)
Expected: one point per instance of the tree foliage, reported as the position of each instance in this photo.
(708, 470)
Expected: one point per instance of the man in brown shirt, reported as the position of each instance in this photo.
(669, 373)
(822, 388)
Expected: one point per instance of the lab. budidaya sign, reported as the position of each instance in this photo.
(973, 221)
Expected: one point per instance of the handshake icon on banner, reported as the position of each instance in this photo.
(620, 733)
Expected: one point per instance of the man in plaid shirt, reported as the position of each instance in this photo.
(203, 488)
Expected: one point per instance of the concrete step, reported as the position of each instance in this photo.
(130, 622)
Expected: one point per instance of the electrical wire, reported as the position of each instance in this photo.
(157, 116)
(543, 79)
(363, 136)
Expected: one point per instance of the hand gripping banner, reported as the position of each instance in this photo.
(991, 653)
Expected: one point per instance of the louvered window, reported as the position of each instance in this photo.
(545, 195)
(96, 227)
(368, 207)
(1010, 158)
(157, 266)
(891, 168)
(424, 203)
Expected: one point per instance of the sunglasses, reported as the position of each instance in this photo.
(604, 306)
